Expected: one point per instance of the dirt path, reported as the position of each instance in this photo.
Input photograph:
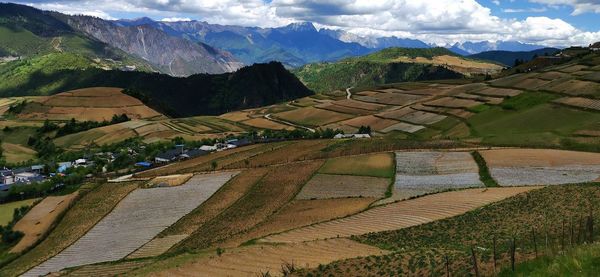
(400, 215)
(268, 117)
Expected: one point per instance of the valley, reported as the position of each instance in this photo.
(179, 147)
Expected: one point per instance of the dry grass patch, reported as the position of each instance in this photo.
(290, 152)
(456, 112)
(422, 118)
(273, 191)
(236, 116)
(342, 109)
(169, 181)
(324, 186)
(498, 92)
(359, 105)
(312, 116)
(403, 127)
(395, 99)
(84, 214)
(375, 165)
(573, 87)
(37, 222)
(574, 68)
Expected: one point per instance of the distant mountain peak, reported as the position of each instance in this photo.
(301, 27)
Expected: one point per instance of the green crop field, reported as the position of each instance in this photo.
(6, 210)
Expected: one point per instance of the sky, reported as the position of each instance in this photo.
(545, 22)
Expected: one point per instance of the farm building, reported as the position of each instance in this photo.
(7, 176)
(355, 136)
(595, 46)
(168, 156)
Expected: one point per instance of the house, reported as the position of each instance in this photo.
(37, 168)
(208, 148)
(353, 136)
(595, 46)
(238, 142)
(28, 177)
(168, 156)
(63, 166)
(193, 153)
(7, 177)
(81, 163)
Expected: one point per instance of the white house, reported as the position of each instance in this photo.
(354, 136)
(208, 148)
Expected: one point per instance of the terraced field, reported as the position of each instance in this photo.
(579, 102)
(134, 221)
(37, 222)
(374, 165)
(254, 260)
(517, 167)
(399, 215)
(95, 104)
(324, 186)
(312, 116)
(435, 171)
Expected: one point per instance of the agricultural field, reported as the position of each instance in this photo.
(325, 186)
(421, 250)
(377, 124)
(94, 104)
(428, 172)
(139, 217)
(398, 215)
(84, 214)
(37, 222)
(311, 116)
(15, 153)
(518, 167)
(578, 102)
(7, 209)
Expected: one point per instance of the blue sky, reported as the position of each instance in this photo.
(548, 22)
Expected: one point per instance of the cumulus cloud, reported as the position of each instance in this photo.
(579, 6)
(439, 21)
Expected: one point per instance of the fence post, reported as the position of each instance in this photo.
(447, 266)
(512, 254)
(494, 254)
(474, 262)
(534, 241)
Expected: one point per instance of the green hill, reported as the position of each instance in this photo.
(389, 66)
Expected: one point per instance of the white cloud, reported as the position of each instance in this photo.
(175, 19)
(434, 21)
(579, 6)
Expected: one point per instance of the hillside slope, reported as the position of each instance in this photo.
(201, 94)
(508, 57)
(389, 66)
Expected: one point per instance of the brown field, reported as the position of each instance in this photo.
(510, 81)
(169, 181)
(422, 118)
(236, 116)
(96, 104)
(107, 270)
(299, 213)
(375, 165)
(336, 126)
(403, 127)
(574, 68)
(456, 63)
(312, 116)
(594, 76)
(296, 151)
(156, 246)
(371, 93)
(484, 99)
(395, 99)
(552, 75)
(325, 186)
(460, 113)
(573, 87)
(231, 192)
(84, 214)
(359, 105)
(37, 222)
(468, 88)
(305, 102)
(396, 113)
(424, 92)
(400, 214)
(450, 102)
(14, 153)
(273, 191)
(538, 157)
(377, 124)
(264, 123)
(261, 259)
(341, 109)
(530, 84)
(498, 92)
(579, 102)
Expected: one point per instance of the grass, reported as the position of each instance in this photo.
(6, 210)
(375, 165)
(581, 261)
(484, 171)
(81, 217)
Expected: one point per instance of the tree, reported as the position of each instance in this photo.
(364, 130)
